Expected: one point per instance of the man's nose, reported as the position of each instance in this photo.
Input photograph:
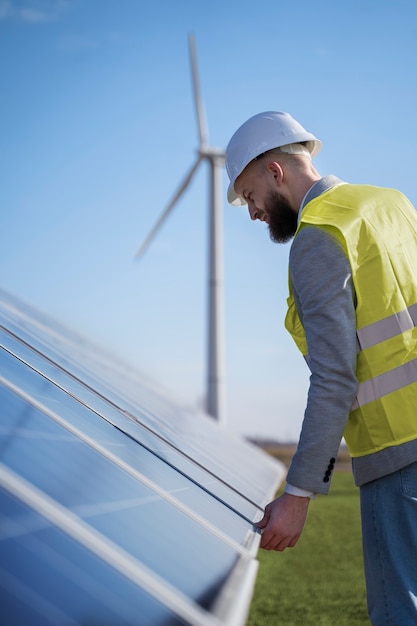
(253, 211)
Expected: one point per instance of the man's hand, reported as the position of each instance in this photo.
(283, 522)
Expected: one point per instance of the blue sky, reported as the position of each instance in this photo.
(98, 128)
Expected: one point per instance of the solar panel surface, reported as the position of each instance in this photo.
(117, 505)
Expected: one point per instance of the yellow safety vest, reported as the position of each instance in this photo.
(378, 230)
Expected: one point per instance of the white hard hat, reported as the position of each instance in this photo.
(260, 133)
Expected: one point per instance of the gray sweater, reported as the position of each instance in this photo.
(321, 280)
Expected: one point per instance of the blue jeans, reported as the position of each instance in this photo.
(389, 535)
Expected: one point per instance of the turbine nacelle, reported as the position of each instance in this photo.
(212, 153)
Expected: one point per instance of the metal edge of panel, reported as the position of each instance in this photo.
(232, 606)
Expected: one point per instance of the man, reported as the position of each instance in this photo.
(352, 311)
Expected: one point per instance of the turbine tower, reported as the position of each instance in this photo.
(215, 392)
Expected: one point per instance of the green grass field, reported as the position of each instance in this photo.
(320, 582)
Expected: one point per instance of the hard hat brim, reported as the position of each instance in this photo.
(233, 198)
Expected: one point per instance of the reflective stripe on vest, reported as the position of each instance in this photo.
(396, 378)
(389, 327)
(383, 384)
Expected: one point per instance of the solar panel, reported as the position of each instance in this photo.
(117, 505)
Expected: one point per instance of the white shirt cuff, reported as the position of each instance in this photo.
(301, 493)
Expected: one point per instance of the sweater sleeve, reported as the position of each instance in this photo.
(322, 284)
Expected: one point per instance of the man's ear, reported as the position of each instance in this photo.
(276, 170)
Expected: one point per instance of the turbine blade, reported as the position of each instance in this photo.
(202, 127)
(170, 206)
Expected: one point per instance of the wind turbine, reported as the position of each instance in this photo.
(215, 159)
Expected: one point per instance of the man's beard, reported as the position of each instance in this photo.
(282, 219)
